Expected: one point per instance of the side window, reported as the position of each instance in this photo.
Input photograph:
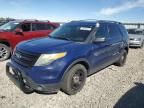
(26, 27)
(40, 26)
(34, 27)
(123, 30)
(114, 31)
(50, 27)
(102, 31)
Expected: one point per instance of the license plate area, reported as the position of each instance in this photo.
(14, 75)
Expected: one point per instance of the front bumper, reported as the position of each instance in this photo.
(20, 79)
(134, 43)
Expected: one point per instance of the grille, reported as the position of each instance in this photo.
(24, 58)
(131, 39)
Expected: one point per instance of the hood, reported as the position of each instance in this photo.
(135, 36)
(44, 45)
(3, 31)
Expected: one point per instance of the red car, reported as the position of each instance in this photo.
(14, 32)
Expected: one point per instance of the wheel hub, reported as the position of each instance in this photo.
(3, 52)
(0, 53)
(76, 79)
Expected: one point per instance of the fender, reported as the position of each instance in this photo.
(6, 42)
(75, 62)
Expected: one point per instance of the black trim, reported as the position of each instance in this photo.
(18, 76)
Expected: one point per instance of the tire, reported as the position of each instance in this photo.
(74, 79)
(142, 45)
(122, 60)
(5, 52)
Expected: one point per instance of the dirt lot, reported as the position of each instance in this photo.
(119, 87)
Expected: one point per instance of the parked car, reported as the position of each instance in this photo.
(71, 53)
(14, 32)
(1, 23)
(136, 37)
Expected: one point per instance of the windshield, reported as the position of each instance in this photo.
(78, 33)
(138, 32)
(9, 26)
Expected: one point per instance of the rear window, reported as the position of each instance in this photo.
(49, 27)
(26, 27)
(114, 31)
(123, 30)
(40, 26)
(102, 31)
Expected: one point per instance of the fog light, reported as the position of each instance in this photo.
(39, 88)
(24, 80)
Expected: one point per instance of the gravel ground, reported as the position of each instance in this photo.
(119, 87)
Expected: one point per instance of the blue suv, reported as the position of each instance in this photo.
(64, 59)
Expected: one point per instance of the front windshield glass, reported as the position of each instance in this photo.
(9, 26)
(72, 32)
(137, 32)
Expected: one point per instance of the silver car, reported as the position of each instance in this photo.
(136, 37)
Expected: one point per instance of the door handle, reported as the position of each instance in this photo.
(108, 44)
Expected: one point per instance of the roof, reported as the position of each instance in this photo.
(30, 20)
(94, 21)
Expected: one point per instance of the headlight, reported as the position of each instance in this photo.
(138, 39)
(46, 59)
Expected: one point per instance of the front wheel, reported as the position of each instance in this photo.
(4, 52)
(74, 79)
(142, 45)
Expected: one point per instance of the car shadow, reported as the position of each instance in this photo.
(132, 47)
(44, 93)
(134, 98)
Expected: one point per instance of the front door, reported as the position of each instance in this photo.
(25, 34)
(101, 51)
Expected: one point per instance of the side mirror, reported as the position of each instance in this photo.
(19, 31)
(99, 39)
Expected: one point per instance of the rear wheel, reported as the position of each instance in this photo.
(121, 62)
(74, 79)
(4, 52)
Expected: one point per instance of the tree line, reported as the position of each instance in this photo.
(6, 19)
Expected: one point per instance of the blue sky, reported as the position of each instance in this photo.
(67, 10)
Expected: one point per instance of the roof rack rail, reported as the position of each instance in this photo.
(36, 20)
(101, 20)
(89, 20)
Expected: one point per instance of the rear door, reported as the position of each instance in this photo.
(39, 29)
(42, 29)
(115, 41)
